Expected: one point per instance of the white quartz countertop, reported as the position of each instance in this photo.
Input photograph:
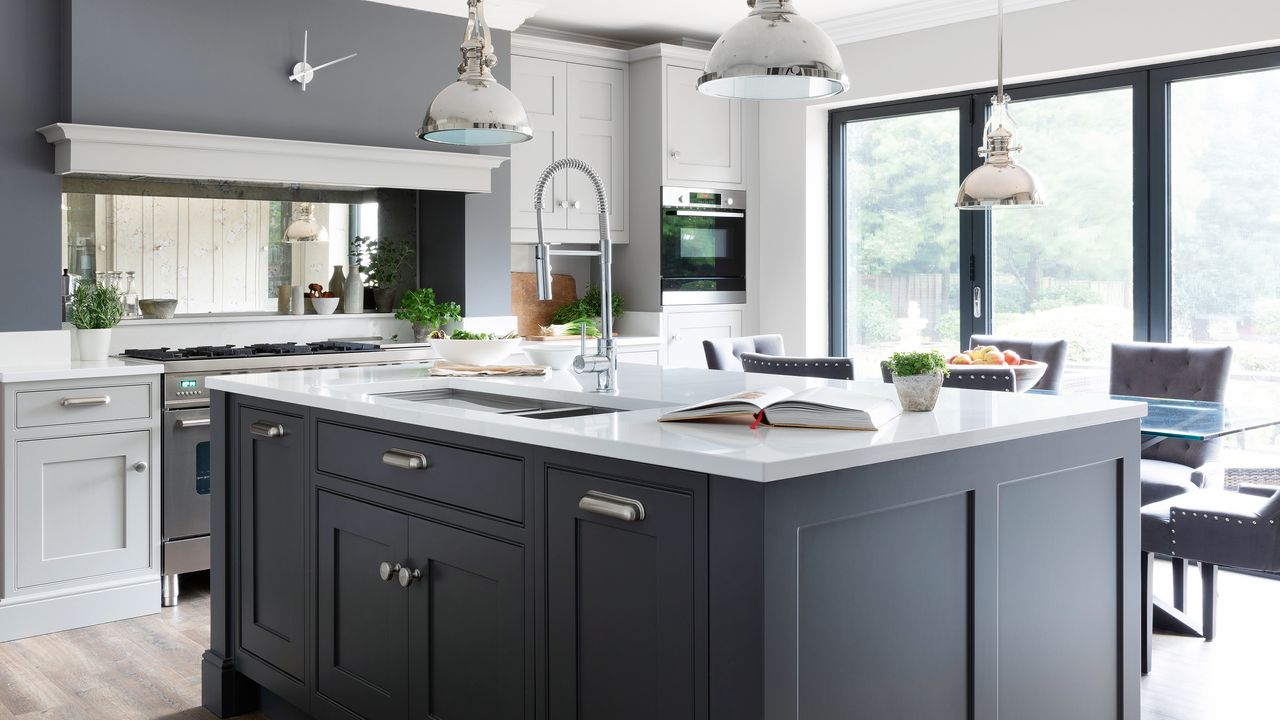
(963, 418)
(75, 370)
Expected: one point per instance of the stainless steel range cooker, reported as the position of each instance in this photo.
(185, 518)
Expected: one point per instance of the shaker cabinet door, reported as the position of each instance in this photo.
(362, 620)
(542, 86)
(468, 651)
(597, 135)
(704, 133)
(273, 541)
(621, 601)
(83, 507)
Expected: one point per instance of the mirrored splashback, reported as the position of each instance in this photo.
(213, 249)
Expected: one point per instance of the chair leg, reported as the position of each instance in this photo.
(1180, 583)
(1147, 600)
(1209, 591)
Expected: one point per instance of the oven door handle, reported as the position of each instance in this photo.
(710, 213)
(184, 423)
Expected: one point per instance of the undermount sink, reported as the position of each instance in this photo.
(498, 404)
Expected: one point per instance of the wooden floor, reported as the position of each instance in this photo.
(142, 669)
(149, 668)
(1232, 677)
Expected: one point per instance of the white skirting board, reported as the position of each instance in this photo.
(26, 617)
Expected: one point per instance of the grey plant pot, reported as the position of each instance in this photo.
(918, 393)
(385, 299)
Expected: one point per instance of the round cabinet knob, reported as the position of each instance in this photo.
(680, 200)
(140, 466)
(386, 570)
(564, 204)
(675, 154)
(577, 205)
(407, 576)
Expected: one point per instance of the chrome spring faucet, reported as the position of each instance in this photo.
(604, 363)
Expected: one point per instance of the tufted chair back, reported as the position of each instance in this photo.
(832, 368)
(1050, 352)
(1182, 372)
(726, 353)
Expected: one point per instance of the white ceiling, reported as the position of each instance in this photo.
(646, 21)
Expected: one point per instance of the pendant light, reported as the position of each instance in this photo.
(305, 227)
(774, 54)
(1000, 181)
(477, 109)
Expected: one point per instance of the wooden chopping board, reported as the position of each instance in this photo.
(532, 313)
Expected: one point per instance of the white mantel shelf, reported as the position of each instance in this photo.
(141, 153)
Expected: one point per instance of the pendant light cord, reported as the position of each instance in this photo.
(1000, 51)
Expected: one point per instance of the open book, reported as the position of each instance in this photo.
(818, 407)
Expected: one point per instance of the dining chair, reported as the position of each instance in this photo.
(1217, 528)
(990, 378)
(726, 353)
(832, 368)
(1051, 352)
(1184, 372)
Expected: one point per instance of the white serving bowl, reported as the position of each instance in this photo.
(325, 306)
(557, 356)
(476, 352)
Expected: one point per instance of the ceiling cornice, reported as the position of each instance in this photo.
(500, 14)
(918, 15)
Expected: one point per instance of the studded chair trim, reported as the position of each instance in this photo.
(832, 368)
(1051, 352)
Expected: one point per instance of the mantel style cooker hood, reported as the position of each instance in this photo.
(136, 154)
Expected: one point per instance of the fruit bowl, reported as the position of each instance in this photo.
(1026, 373)
(557, 356)
(476, 352)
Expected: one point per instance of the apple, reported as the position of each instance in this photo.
(994, 358)
(960, 359)
(1012, 357)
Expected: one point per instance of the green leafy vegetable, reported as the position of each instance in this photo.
(906, 364)
(420, 308)
(465, 335)
(586, 306)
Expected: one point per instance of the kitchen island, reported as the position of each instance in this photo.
(391, 545)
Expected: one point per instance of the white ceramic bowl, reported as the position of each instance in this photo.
(325, 306)
(555, 355)
(476, 352)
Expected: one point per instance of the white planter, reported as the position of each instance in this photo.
(918, 393)
(93, 344)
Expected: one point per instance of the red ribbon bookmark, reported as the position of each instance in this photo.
(759, 417)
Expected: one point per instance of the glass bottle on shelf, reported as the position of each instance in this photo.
(130, 296)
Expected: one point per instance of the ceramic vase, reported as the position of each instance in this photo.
(918, 393)
(338, 284)
(93, 344)
(353, 293)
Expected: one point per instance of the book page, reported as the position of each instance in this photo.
(747, 402)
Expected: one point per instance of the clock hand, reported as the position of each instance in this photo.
(298, 76)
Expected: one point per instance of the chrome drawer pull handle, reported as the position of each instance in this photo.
(404, 459)
(267, 430)
(193, 422)
(407, 576)
(614, 506)
(86, 401)
(386, 570)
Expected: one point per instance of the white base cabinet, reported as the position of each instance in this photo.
(686, 329)
(81, 504)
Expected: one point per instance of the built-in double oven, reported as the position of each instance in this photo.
(704, 246)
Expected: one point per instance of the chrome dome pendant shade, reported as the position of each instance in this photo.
(477, 109)
(1000, 181)
(305, 227)
(774, 54)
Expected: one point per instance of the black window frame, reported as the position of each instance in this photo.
(1152, 262)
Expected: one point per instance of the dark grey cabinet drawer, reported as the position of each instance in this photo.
(471, 479)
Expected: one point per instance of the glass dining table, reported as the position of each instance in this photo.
(1199, 420)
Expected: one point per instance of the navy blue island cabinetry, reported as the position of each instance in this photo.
(371, 568)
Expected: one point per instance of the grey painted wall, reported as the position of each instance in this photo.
(220, 67)
(29, 191)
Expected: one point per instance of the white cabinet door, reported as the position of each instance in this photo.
(542, 85)
(597, 135)
(83, 507)
(687, 330)
(704, 133)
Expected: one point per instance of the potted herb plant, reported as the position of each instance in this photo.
(428, 316)
(94, 311)
(386, 258)
(588, 306)
(917, 376)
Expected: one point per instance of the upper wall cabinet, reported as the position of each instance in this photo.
(704, 133)
(577, 105)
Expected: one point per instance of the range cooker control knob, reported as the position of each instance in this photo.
(728, 201)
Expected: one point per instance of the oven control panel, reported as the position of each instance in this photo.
(185, 391)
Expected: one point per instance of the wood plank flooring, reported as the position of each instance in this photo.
(149, 668)
(142, 669)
